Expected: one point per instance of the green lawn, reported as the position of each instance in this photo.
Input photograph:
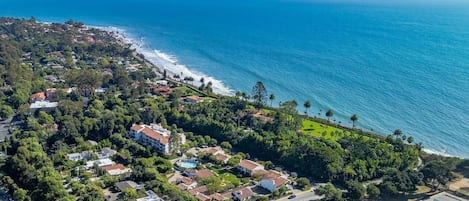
(228, 178)
(324, 131)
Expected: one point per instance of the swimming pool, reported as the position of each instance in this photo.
(187, 163)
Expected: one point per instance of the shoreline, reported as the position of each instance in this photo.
(164, 61)
(160, 57)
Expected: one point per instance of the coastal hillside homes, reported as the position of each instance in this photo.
(117, 170)
(219, 197)
(154, 135)
(193, 99)
(249, 167)
(273, 180)
(444, 196)
(242, 194)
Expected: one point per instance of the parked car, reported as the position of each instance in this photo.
(292, 196)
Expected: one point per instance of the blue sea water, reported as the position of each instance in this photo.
(396, 65)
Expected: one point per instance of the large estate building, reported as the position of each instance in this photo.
(156, 136)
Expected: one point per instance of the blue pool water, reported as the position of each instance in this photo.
(188, 165)
(401, 65)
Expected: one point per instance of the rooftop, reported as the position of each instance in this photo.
(248, 164)
(43, 104)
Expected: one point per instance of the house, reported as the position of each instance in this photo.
(75, 156)
(86, 155)
(242, 194)
(200, 189)
(117, 170)
(445, 196)
(43, 105)
(100, 163)
(219, 197)
(190, 172)
(163, 90)
(185, 183)
(193, 99)
(273, 180)
(202, 197)
(213, 150)
(154, 135)
(161, 82)
(123, 185)
(40, 96)
(106, 152)
(151, 196)
(203, 173)
(222, 157)
(249, 167)
(91, 142)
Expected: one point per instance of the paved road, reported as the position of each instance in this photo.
(302, 196)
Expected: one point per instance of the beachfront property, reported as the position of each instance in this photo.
(273, 180)
(154, 135)
(249, 167)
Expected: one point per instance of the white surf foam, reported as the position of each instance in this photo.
(166, 61)
(440, 153)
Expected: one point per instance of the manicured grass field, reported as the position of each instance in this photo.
(228, 178)
(324, 131)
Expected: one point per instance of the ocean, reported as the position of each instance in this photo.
(396, 65)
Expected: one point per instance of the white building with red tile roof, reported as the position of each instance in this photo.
(154, 135)
(249, 167)
(273, 180)
(117, 170)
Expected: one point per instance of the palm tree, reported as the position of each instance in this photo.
(354, 118)
(397, 133)
(403, 137)
(329, 114)
(410, 139)
(271, 98)
(307, 106)
(419, 146)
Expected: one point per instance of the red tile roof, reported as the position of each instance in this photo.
(202, 197)
(221, 157)
(195, 98)
(244, 193)
(136, 127)
(219, 197)
(155, 135)
(114, 167)
(248, 164)
(280, 181)
(38, 96)
(204, 173)
(200, 189)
